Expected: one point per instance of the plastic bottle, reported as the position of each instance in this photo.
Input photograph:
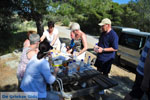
(70, 69)
(96, 47)
(88, 65)
(74, 55)
(81, 66)
(52, 54)
(74, 65)
(89, 61)
(63, 48)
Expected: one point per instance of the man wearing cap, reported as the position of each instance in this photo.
(80, 41)
(107, 45)
(27, 54)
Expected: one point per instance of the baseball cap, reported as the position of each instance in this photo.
(105, 21)
(34, 38)
(75, 26)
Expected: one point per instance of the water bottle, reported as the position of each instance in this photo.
(89, 60)
(63, 48)
(81, 66)
(70, 69)
(74, 66)
(96, 47)
(52, 54)
(88, 65)
(74, 55)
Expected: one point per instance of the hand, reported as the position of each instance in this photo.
(56, 69)
(96, 50)
(145, 85)
(68, 48)
(69, 51)
(77, 53)
(100, 50)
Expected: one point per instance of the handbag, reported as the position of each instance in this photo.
(56, 95)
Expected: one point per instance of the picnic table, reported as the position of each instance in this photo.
(78, 84)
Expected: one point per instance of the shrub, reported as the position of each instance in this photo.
(66, 21)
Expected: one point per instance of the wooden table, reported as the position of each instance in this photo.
(75, 85)
(94, 80)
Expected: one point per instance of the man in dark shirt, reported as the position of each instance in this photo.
(107, 45)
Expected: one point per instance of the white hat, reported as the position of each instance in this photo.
(75, 26)
(105, 21)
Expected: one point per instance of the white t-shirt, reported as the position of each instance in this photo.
(50, 37)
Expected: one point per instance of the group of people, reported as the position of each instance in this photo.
(34, 72)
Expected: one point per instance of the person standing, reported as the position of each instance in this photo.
(51, 34)
(80, 41)
(107, 46)
(142, 80)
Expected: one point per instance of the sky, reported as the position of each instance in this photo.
(121, 1)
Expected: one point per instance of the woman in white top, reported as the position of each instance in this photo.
(51, 34)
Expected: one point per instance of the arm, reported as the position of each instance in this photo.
(84, 41)
(100, 50)
(42, 38)
(54, 40)
(146, 79)
(45, 71)
(69, 51)
(113, 47)
(26, 43)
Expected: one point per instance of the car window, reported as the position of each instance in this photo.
(131, 41)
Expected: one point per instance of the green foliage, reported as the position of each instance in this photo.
(136, 14)
(15, 41)
(143, 9)
(66, 21)
(65, 9)
(116, 12)
(129, 16)
(5, 19)
(20, 15)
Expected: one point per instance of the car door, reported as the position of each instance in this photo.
(130, 47)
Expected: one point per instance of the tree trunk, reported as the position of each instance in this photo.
(39, 25)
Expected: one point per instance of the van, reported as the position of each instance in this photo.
(131, 43)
